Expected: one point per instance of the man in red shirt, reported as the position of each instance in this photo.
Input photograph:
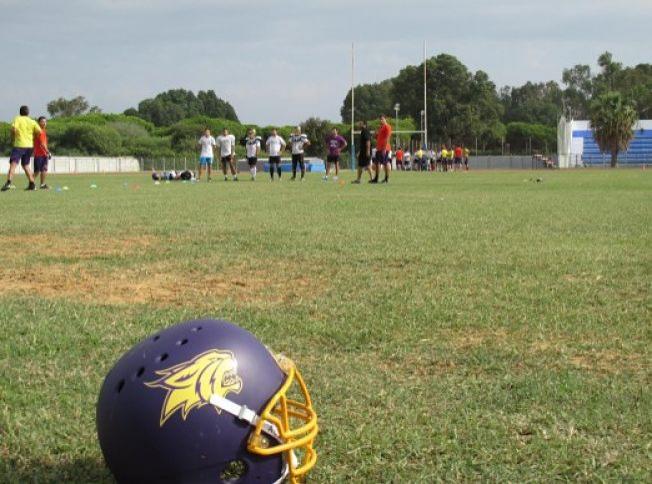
(458, 157)
(382, 149)
(399, 159)
(41, 153)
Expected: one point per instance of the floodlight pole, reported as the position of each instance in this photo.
(397, 107)
(425, 97)
(353, 106)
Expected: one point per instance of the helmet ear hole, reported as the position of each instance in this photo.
(233, 471)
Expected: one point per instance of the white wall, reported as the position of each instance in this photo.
(85, 164)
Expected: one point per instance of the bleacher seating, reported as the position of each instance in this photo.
(639, 152)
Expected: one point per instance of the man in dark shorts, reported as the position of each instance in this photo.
(382, 142)
(364, 155)
(41, 153)
(275, 146)
(298, 143)
(23, 131)
(335, 144)
(458, 157)
(226, 142)
(252, 145)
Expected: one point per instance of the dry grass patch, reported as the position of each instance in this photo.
(75, 247)
(611, 361)
(163, 284)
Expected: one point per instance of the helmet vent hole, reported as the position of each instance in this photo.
(162, 357)
(233, 471)
(157, 337)
(182, 342)
(141, 370)
(198, 328)
(120, 386)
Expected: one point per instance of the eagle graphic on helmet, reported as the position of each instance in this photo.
(191, 384)
(205, 401)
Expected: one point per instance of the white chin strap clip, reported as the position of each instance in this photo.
(242, 412)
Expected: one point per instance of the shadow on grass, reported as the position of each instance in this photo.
(80, 470)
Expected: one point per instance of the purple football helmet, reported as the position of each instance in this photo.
(205, 401)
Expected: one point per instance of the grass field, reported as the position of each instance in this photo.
(466, 326)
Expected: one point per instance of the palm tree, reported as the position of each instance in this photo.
(612, 121)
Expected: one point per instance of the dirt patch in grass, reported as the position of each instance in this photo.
(75, 247)
(469, 339)
(610, 361)
(160, 284)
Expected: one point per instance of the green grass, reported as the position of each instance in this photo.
(474, 326)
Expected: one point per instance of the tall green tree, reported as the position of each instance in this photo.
(170, 107)
(371, 100)
(65, 108)
(612, 122)
(462, 105)
(539, 103)
(579, 86)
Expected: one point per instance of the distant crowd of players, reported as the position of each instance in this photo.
(372, 160)
(30, 139)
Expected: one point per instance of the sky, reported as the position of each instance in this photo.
(281, 61)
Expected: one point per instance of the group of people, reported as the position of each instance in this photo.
(445, 159)
(29, 140)
(275, 145)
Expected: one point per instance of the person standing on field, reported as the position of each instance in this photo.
(41, 153)
(275, 146)
(364, 155)
(226, 142)
(399, 158)
(252, 145)
(23, 131)
(382, 142)
(458, 157)
(298, 142)
(466, 152)
(207, 142)
(335, 144)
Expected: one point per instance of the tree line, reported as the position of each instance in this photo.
(465, 106)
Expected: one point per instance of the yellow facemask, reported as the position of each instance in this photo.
(282, 412)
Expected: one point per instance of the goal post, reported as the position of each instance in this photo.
(424, 112)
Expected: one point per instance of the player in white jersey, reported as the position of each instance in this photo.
(252, 145)
(226, 142)
(206, 156)
(275, 145)
(298, 143)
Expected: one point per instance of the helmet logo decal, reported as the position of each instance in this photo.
(191, 384)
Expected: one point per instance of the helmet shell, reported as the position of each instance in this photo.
(141, 444)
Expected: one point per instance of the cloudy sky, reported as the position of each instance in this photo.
(281, 61)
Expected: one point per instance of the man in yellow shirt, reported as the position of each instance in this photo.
(444, 158)
(23, 131)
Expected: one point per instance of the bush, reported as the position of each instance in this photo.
(88, 139)
(5, 138)
(148, 147)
